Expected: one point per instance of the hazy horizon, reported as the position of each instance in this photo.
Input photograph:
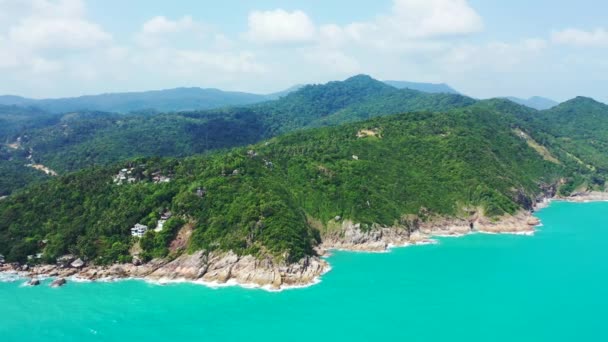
(277, 91)
(69, 48)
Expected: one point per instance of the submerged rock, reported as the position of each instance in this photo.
(58, 282)
(33, 282)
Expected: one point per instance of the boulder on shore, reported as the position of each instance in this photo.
(136, 261)
(33, 282)
(58, 282)
(65, 260)
(78, 263)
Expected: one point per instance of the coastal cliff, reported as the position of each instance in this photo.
(379, 239)
(228, 268)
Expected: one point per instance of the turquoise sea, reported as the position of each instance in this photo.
(549, 287)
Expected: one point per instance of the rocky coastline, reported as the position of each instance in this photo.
(415, 232)
(218, 269)
(584, 197)
(205, 268)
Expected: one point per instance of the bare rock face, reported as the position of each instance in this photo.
(522, 222)
(304, 272)
(447, 226)
(58, 282)
(249, 270)
(189, 267)
(220, 267)
(590, 196)
(352, 237)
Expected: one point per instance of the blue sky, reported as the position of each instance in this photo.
(484, 48)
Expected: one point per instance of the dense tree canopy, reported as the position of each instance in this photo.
(263, 199)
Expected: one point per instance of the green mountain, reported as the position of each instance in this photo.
(424, 87)
(536, 102)
(170, 100)
(579, 128)
(82, 139)
(16, 119)
(279, 197)
(448, 156)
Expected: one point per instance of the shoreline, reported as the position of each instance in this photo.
(227, 269)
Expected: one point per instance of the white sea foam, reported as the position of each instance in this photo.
(77, 279)
(231, 283)
(523, 233)
(528, 233)
(457, 235)
(363, 251)
(9, 277)
(388, 249)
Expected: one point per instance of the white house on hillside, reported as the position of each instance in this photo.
(139, 230)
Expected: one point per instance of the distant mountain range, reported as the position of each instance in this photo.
(536, 102)
(188, 99)
(178, 99)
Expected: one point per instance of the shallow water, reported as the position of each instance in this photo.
(548, 287)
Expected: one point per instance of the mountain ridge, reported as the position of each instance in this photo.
(79, 140)
(424, 87)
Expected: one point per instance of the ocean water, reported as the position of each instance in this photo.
(552, 286)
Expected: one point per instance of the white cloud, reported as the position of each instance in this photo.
(41, 65)
(434, 18)
(43, 40)
(160, 31)
(492, 57)
(160, 25)
(58, 33)
(577, 37)
(334, 61)
(42, 24)
(242, 62)
(189, 47)
(280, 27)
(410, 26)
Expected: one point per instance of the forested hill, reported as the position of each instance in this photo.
(16, 119)
(357, 98)
(84, 139)
(65, 143)
(578, 127)
(279, 196)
